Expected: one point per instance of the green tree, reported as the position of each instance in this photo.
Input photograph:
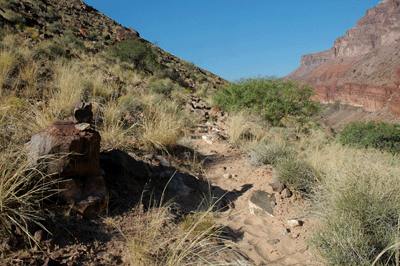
(273, 97)
(380, 135)
(135, 51)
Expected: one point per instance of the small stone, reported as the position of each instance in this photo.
(294, 222)
(163, 161)
(55, 256)
(303, 249)
(39, 236)
(82, 126)
(273, 241)
(293, 137)
(277, 186)
(286, 193)
(228, 176)
(261, 203)
(208, 139)
(149, 156)
(285, 231)
(295, 236)
(83, 112)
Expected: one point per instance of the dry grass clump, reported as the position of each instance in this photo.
(358, 203)
(68, 90)
(114, 133)
(267, 153)
(15, 121)
(163, 125)
(153, 242)
(244, 127)
(22, 191)
(8, 62)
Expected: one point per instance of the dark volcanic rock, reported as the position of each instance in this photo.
(262, 203)
(83, 112)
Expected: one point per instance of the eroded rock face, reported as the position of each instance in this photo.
(75, 152)
(126, 34)
(362, 67)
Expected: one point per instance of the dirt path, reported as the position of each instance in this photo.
(264, 240)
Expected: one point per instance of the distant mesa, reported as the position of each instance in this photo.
(363, 67)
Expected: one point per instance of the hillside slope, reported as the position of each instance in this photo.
(73, 22)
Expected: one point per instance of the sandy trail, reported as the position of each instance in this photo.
(263, 239)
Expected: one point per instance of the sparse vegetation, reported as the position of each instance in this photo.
(138, 92)
(352, 190)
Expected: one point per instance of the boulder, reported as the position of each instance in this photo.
(73, 152)
(83, 112)
(87, 195)
(262, 203)
(277, 186)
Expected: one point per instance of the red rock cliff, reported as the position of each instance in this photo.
(363, 67)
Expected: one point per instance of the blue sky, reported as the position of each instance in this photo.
(236, 39)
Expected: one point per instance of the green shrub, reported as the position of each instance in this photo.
(382, 136)
(163, 86)
(135, 51)
(274, 97)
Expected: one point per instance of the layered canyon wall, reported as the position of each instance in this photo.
(363, 67)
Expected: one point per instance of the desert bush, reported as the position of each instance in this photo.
(135, 51)
(161, 86)
(269, 153)
(296, 174)
(129, 104)
(8, 63)
(167, 73)
(275, 98)
(381, 135)
(166, 87)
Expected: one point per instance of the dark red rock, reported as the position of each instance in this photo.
(74, 152)
(87, 195)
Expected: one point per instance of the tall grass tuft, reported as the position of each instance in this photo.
(358, 204)
(163, 125)
(114, 134)
(23, 189)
